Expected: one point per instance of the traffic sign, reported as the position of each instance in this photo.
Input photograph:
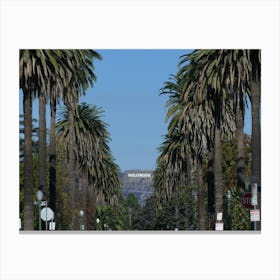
(255, 215)
(246, 200)
(47, 214)
(52, 225)
(219, 216)
(219, 226)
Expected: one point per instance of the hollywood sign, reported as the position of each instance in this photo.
(139, 175)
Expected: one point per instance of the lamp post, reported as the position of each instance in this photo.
(97, 222)
(81, 224)
(39, 196)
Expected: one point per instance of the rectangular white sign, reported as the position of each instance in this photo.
(219, 216)
(51, 225)
(219, 226)
(255, 215)
(139, 175)
(254, 190)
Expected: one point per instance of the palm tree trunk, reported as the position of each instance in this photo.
(211, 188)
(218, 172)
(256, 132)
(201, 203)
(52, 167)
(42, 144)
(256, 138)
(84, 199)
(72, 167)
(177, 216)
(240, 159)
(77, 195)
(28, 162)
(187, 184)
(91, 207)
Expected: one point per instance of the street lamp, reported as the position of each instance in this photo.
(39, 196)
(81, 224)
(97, 222)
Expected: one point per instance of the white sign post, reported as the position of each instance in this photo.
(47, 214)
(219, 226)
(220, 216)
(52, 226)
(254, 190)
(255, 215)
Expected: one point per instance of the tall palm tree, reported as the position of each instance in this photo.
(213, 108)
(237, 73)
(82, 76)
(34, 79)
(42, 176)
(94, 160)
(37, 71)
(255, 86)
(29, 85)
(179, 111)
(28, 161)
(45, 72)
(226, 72)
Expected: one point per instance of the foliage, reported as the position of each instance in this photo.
(229, 161)
(109, 218)
(239, 216)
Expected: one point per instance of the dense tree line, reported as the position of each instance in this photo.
(80, 135)
(205, 109)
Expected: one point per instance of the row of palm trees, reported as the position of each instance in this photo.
(95, 176)
(206, 106)
(53, 76)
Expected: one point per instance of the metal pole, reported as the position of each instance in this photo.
(229, 217)
(46, 216)
(255, 223)
(254, 200)
(39, 204)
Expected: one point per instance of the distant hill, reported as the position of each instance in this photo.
(137, 182)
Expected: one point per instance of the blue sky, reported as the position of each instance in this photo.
(127, 88)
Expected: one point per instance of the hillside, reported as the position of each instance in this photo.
(137, 182)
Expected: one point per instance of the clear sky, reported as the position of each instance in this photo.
(127, 88)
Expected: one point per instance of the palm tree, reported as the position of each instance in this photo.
(255, 86)
(94, 161)
(28, 161)
(178, 110)
(82, 76)
(42, 143)
(46, 73)
(237, 73)
(34, 79)
(212, 110)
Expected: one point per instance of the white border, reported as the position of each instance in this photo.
(146, 24)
